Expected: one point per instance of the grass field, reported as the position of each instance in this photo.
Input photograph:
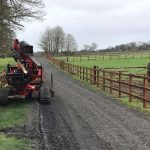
(113, 63)
(4, 62)
(15, 114)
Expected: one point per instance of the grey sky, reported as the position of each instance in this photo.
(106, 22)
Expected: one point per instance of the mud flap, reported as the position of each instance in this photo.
(4, 96)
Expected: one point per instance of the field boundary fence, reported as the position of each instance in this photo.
(115, 82)
(126, 56)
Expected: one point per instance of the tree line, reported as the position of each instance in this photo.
(12, 15)
(132, 46)
(55, 40)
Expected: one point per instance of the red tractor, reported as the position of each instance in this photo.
(25, 78)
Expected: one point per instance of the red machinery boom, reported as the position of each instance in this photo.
(25, 78)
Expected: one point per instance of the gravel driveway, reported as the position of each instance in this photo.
(79, 118)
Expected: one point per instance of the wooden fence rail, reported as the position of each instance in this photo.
(117, 83)
(104, 57)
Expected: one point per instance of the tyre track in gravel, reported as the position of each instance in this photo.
(79, 118)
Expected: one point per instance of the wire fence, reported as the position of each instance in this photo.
(117, 83)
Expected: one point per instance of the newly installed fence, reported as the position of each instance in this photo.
(105, 56)
(117, 83)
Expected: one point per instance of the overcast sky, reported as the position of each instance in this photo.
(105, 22)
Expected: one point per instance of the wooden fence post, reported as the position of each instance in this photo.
(73, 69)
(104, 80)
(148, 70)
(111, 74)
(118, 56)
(68, 67)
(86, 74)
(62, 65)
(145, 92)
(94, 74)
(130, 88)
(91, 75)
(97, 76)
(83, 73)
(119, 84)
(78, 69)
(80, 72)
(133, 55)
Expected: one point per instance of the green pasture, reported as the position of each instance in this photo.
(120, 63)
(4, 62)
(114, 63)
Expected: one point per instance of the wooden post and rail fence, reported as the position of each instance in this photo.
(117, 83)
(81, 58)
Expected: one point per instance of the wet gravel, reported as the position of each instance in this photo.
(79, 118)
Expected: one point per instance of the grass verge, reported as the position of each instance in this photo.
(138, 105)
(13, 143)
(14, 114)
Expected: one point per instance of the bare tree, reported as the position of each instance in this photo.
(86, 47)
(58, 38)
(53, 40)
(13, 12)
(45, 41)
(94, 47)
(70, 43)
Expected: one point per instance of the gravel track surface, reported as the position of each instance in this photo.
(79, 118)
